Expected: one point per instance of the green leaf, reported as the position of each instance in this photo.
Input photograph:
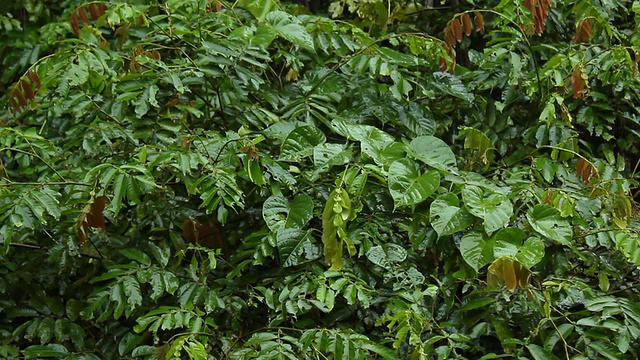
(132, 292)
(161, 254)
(539, 353)
(386, 256)
(546, 220)
(258, 8)
(49, 350)
(447, 216)
(433, 152)
(507, 242)
(289, 28)
(136, 255)
(296, 247)
(279, 214)
(300, 143)
(407, 186)
(532, 252)
(476, 249)
(375, 143)
(495, 209)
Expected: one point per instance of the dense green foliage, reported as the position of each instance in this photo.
(203, 179)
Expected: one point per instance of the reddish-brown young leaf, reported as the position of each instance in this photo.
(449, 38)
(466, 23)
(95, 13)
(74, 23)
(28, 90)
(442, 64)
(19, 95)
(82, 14)
(189, 230)
(102, 8)
(577, 83)
(35, 79)
(14, 104)
(456, 27)
(583, 31)
(478, 19)
(586, 170)
(95, 218)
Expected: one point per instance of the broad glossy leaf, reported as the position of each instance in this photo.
(476, 249)
(531, 252)
(375, 143)
(278, 213)
(300, 143)
(407, 186)
(296, 247)
(327, 155)
(546, 220)
(447, 216)
(495, 209)
(507, 242)
(433, 152)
